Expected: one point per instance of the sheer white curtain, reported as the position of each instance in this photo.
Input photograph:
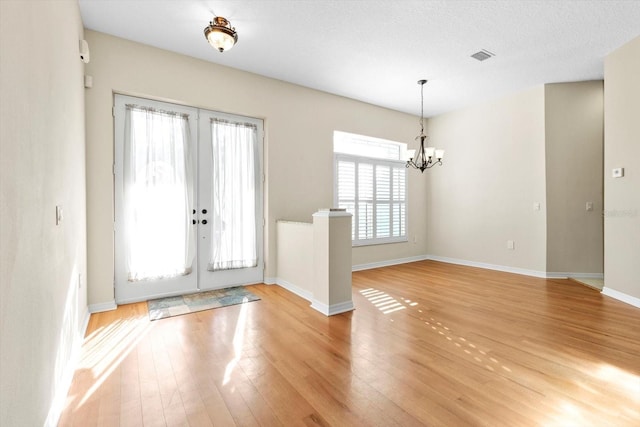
(233, 242)
(158, 194)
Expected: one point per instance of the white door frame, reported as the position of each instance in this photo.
(200, 278)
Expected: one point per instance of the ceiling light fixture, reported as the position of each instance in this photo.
(427, 157)
(220, 34)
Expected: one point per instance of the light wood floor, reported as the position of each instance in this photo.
(428, 344)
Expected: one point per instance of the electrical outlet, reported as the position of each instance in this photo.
(617, 173)
(589, 206)
(511, 245)
(536, 206)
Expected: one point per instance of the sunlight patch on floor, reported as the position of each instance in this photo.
(468, 348)
(383, 301)
(619, 381)
(105, 348)
(568, 415)
(629, 383)
(388, 304)
(238, 342)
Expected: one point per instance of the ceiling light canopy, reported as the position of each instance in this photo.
(220, 34)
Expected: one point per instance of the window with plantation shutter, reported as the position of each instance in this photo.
(370, 183)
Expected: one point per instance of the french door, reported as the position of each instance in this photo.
(188, 199)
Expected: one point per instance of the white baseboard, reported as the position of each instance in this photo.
(620, 296)
(599, 276)
(302, 293)
(569, 275)
(330, 310)
(103, 306)
(517, 270)
(541, 274)
(327, 310)
(270, 280)
(370, 265)
(556, 275)
(506, 269)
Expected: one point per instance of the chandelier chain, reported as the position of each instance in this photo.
(422, 109)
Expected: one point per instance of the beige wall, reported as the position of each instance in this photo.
(299, 125)
(41, 165)
(541, 146)
(574, 121)
(494, 171)
(295, 257)
(622, 149)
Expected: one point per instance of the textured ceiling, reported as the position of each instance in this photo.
(375, 51)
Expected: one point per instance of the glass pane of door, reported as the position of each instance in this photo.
(233, 222)
(158, 194)
(155, 233)
(230, 243)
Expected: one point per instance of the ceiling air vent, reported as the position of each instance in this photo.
(482, 55)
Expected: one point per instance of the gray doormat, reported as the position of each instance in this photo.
(174, 306)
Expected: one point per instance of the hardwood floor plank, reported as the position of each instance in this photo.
(131, 413)
(258, 406)
(215, 406)
(429, 344)
(290, 407)
(238, 408)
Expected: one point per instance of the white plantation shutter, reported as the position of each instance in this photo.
(346, 189)
(374, 192)
(364, 201)
(398, 206)
(383, 198)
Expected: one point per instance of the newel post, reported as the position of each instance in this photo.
(332, 261)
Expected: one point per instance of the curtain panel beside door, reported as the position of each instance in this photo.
(158, 194)
(233, 243)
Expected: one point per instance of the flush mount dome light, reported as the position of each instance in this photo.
(220, 34)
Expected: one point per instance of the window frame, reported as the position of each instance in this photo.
(393, 164)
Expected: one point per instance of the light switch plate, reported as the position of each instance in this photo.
(58, 215)
(617, 172)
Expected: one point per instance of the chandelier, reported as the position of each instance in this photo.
(220, 34)
(426, 157)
